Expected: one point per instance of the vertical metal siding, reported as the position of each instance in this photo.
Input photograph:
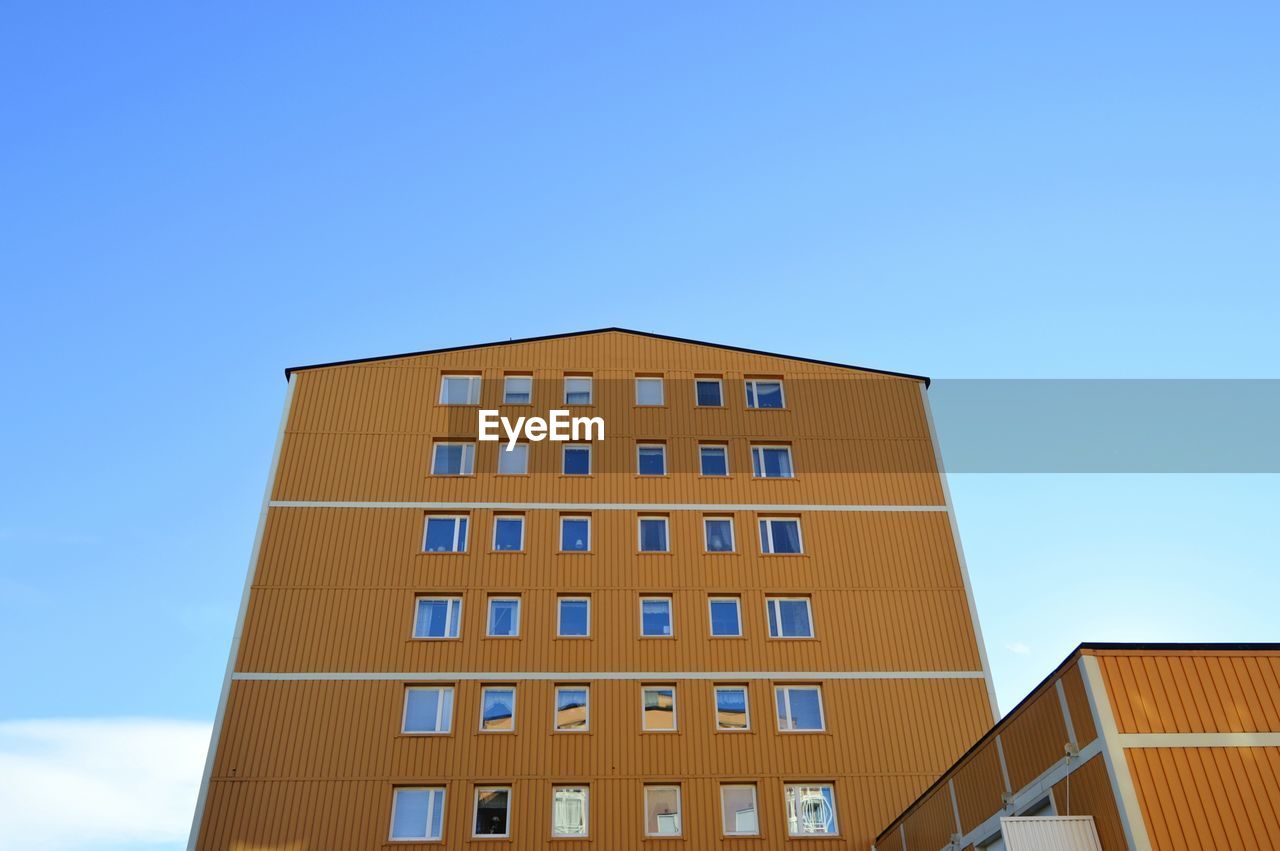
(1209, 798)
(1050, 834)
(1206, 692)
(1090, 793)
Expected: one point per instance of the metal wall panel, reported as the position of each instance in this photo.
(1090, 792)
(979, 785)
(1200, 799)
(1202, 692)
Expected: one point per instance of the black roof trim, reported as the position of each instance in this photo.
(294, 369)
(1054, 674)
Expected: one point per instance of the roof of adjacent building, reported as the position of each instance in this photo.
(616, 330)
(1085, 648)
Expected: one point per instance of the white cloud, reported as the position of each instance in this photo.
(1019, 648)
(98, 783)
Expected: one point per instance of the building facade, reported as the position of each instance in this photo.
(1165, 747)
(740, 620)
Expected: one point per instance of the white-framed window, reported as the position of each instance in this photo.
(569, 810)
(649, 391)
(732, 710)
(726, 617)
(517, 390)
(651, 459)
(713, 459)
(575, 533)
(771, 462)
(493, 811)
(428, 710)
(789, 617)
(576, 459)
(497, 709)
(459, 390)
(662, 811)
(658, 707)
(717, 534)
(417, 813)
(513, 460)
(765, 393)
(780, 536)
(655, 617)
(438, 617)
(453, 459)
(573, 708)
(573, 617)
(708, 392)
(508, 533)
(653, 535)
(738, 809)
(811, 809)
(799, 708)
(577, 390)
(445, 533)
(504, 617)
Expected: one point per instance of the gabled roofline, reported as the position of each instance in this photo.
(1058, 671)
(649, 334)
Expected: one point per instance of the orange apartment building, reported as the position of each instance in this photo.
(741, 620)
(1124, 747)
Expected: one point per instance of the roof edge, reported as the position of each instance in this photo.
(290, 370)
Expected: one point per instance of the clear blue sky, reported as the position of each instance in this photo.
(195, 197)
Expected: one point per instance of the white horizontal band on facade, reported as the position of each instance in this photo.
(600, 506)
(610, 675)
(1199, 740)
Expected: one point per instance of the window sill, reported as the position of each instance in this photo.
(502, 638)
(508, 552)
(575, 552)
(417, 639)
(441, 552)
(654, 552)
(721, 553)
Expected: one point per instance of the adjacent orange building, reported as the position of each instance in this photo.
(740, 620)
(1124, 747)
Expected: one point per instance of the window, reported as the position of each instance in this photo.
(655, 617)
(811, 809)
(428, 709)
(771, 462)
(731, 708)
(577, 459)
(738, 807)
(572, 711)
(497, 709)
(780, 536)
(789, 617)
(460, 390)
(508, 533)
(662, 810)
(764, 393)
(574, 618)
(577, 390)
(713, 459)
(726, 619)
(453, 459)
(651, 459)
(649, 391)
(417, 813)
(718, 533)
(575, 534)
(493, 811)
(517, 390)
(658, 707)
(445, 534)
(708, 392)
(799, 708)
(569, 811)
(513, 460)
(438, 617)
(653, 534)
(504, 617)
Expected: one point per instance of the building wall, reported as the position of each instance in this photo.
(309, 749)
